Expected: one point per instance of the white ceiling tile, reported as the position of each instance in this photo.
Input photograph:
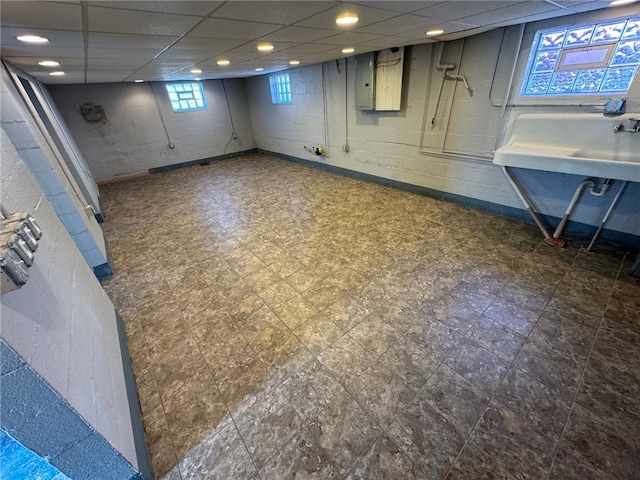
(59, 16)
(281, 13)
(299, 34)
(57, 38)
(193, 56)
(396, 25)
(448, 27)
(42, 52)
(453, 10)
(113, 20)
(142, 53)
(32, 62)
(509, 13)
(310, 48)
(350, 38)
(366, 16)
(232, 29)
(252, 46)
(400, 6)
(120, 64)
(123, 40)
(190, 7)
(211, 44)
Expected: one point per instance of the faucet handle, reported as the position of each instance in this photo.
(618, 128)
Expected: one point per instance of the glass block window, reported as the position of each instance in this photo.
(592, 59)
(280, 88)
(186, 96)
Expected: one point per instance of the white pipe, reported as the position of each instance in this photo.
(576, 196)
(443, 66)
(526, 202)
(508, 90)
(572, 204)
(606, 216)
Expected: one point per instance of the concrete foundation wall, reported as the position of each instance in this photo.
(133, 137)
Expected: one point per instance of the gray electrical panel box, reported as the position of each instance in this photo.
(365, 81)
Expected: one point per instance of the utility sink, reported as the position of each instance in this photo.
(579, 144)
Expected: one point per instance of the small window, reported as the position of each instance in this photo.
(186, 96)
(592, 59)
(280, 88)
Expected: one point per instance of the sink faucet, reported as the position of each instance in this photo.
(634, 129)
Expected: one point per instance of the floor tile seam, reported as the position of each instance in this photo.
(575, 396)
(469, 438)
(206, 363)
(471, 430)
(493, 397)
(581, 381)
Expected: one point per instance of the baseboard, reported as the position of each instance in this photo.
(204, 161)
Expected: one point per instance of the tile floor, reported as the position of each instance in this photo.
(288, 323)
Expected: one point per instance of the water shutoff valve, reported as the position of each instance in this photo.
(19, 235)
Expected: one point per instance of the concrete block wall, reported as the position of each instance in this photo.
(61, 322)
(133, 138)
(50, 176)
(390, 144)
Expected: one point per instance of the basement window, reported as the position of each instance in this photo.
(280, 88)
(594, 59)
(186, 96)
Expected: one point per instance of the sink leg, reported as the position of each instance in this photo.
(556, 242)
(606, 215)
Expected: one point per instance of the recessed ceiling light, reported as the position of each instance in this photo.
(138, 81)
(347, 19)
(56, 74)
(196, 70)
(265, 47)
(49, 63)
(32, 39)
(348, 50)
(259, 69)
(615, 3)
(294, 62)
(223, 62)
(435, 31)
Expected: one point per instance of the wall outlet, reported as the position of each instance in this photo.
(345, 148)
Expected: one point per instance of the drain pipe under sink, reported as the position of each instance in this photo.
(576, 196)
(523, 198)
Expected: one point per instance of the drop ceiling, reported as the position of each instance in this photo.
(123, 41)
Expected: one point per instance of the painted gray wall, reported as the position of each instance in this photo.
(391, 145)
(133, 139)
(61, 322)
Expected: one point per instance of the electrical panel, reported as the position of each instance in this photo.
(379, 80)
(19, 236)
(365, 78)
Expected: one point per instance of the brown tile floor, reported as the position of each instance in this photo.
(289, 323)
